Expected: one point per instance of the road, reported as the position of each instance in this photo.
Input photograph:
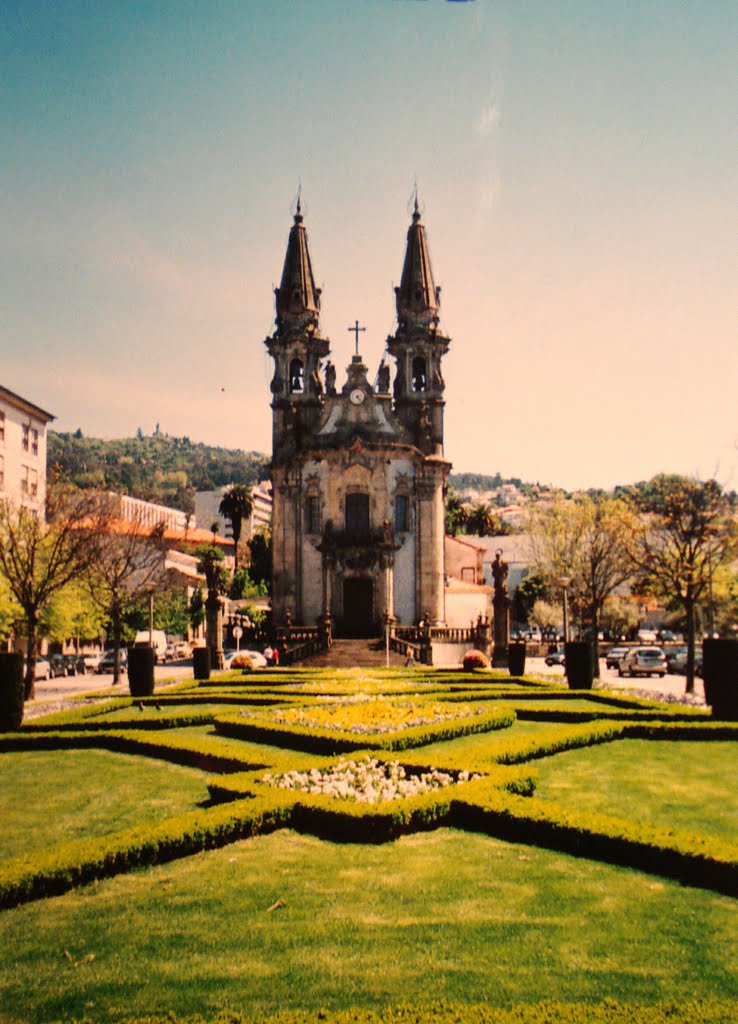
(671, 685)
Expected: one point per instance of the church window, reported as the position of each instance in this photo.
(25, 436)
(312, 514)
(402, 513)
(419, 375)
(297, 376)
(357, 514)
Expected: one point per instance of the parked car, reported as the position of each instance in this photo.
(556, 657)
(107, 662)
(158, 640)
(74, 664)
(170, 654)
(614, 656)
(58, 665)
(643, 661)
(676, 659)
(255, 657)
(91, 661)
(43, 669)
(182, 649)
(646, 636)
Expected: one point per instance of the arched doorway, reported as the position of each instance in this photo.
(358, 607)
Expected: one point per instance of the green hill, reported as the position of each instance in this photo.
(167, 470)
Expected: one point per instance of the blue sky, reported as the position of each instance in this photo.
(577, 164)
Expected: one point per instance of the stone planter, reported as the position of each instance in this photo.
(720, 674)
(578, 665)
(141, 661)
(201, 662)
(11, 691)
(516, 659)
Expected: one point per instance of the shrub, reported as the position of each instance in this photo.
(475, 659)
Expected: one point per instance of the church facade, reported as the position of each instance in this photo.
(358, 470)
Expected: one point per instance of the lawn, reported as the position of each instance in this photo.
(445, 914)
(49, 796)
(289, 920)
(678, 784)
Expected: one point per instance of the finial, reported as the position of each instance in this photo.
(418, 207)
(298, 205)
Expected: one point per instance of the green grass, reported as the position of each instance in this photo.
(50, 796)
(440, 915)
(671, 783)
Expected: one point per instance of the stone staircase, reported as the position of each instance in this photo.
(354, 654)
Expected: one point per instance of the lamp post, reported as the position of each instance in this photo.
(565, 583)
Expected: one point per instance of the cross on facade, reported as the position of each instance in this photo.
(356, 330)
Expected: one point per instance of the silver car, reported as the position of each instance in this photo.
(643, 661)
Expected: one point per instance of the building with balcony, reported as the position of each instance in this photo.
(23, 428)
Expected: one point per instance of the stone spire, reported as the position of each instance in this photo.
(297, 297)
(417, 298)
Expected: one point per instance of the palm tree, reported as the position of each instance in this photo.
(482, 521)
(235, 506)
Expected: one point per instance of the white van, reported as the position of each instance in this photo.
(158, 640)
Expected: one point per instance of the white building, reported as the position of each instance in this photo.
(207, 510)
(22, 450)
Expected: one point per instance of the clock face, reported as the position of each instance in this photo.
(357, 396)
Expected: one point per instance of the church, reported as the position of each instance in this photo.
(358, 469)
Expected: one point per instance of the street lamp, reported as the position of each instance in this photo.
(565, 583)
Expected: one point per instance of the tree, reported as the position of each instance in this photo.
(71, 612)
(585, 541)
(455, 513)
(40, 555)
(531, 589)
(127, 562)
(236, 505)
(686, 534)
(260, 548)
(482, 520)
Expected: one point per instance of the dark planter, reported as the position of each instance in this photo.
(516, 659)
(141, 661)
(201, 662)
(720, 674)
(12, 690)
(578, 664)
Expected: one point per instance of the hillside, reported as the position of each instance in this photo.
(167, 470)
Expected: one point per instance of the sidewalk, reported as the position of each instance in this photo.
(59, 693)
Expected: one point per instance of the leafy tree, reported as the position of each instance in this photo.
(71, 613)
(235, 506)
(686, 534)
(455, 513)
(531, 589)
(260, 548)
(197, 608)
(10, 612)
(39, 556)
(242, 586)
(620, 615)
(482, 521)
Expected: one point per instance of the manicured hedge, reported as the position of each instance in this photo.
(697, 860)
(329, 741)
(204, 752)
(697, 1011)
(68, 865)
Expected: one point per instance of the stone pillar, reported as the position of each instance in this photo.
(214, 629)
(387, 589)
(430, 593)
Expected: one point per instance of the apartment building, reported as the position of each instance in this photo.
(23, 428)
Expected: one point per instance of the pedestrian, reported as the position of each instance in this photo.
(409, 657)
(269, 654)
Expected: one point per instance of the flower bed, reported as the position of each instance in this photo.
(365, 716)
(368, 781)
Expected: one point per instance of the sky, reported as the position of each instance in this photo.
(576, 163)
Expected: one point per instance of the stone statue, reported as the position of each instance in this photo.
(383, 378)
(330, 378)
(500, 570)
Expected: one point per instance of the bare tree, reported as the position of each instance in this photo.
(686, 533)
(585, 541)
(39, 555)
(127, 560)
